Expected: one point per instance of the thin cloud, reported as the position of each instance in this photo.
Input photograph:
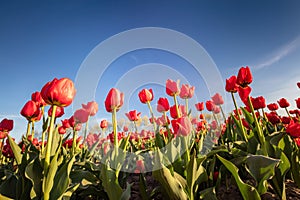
(279, 54)
(11, 116)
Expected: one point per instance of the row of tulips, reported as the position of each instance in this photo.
(189, 156)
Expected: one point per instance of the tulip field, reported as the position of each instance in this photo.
(186, 152)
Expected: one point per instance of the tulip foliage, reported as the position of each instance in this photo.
(186, 152)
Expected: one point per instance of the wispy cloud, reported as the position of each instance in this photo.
(279, 54)
(11, 116)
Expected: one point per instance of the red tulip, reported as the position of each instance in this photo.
(146, 95)
(201, 116)
(91, 107)
(258, 102)
(182, 126)
(272, 106)
(58, 113)
(273, 117)
(81, 115)
(298, 84)
(244, 77)
(6, 125)
(125, 128)
(163, 105)
(36, 97)
(61, 130)
(59, 92)
(297, 140)
(103, 124)
(244, 94)
(31, 111)
(217, 99)
(293, 129)
(186, 91)
(201, 126)
(199, 106)
(161, 121)
(210, 105)
(298, 103)
(73, 124)
(214, 125)
(172, 87)
(283, 103)
(66, 123)
(133, 116)
(285, 120)
(217, 109)
(173, 111)
(231, 85)
(114, 100)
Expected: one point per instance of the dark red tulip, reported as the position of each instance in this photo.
(66, 123)
(61, 130)
(244, 77)
(244, 93)
(217, 99)
(114, 100)
(298, 103)
(58, 113)
(285, 120)
(283, 103)
(6, 125)
(272, 106)
(31, 111)
(36, 97)
(172, 87)
(146, 95)
(258, 102)
(59, 92)
(297, 140)
(298, 84)
(173, 111)
(293, 129)
(231, 85)
(133, 115)
(91, 107)
(273, 117)
(182, 126)
(103, 124)
(81, 115)
(163, 105)
(210, 105)
(200, 106)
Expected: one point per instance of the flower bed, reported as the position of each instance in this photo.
(250, 152)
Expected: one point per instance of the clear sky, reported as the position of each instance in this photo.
(43, 40)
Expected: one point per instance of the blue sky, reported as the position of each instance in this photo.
(43, 40)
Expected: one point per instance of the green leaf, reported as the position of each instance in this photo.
(67, 195)
(62, 180)
(4, 197)
(34, 172)
(209, 194)
(249, 118)
(295, 161)
(56, 142)
(261, 168)
(16, 150)
(126, 194)
(8, 187)
(78, 175)
(172, 186)
(247, 191)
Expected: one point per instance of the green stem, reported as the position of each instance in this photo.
(223, 114)
(288, 113)
(239, 116)
(187, 106)
(43, 137)
(32, 130)
(152, 115)
(28, 129)
(135, 126)
(261, 137)
(74, 141)
(86, 130)
(176, 105)
(114, 121)
(49, 141)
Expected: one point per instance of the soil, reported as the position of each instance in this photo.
(292, 191)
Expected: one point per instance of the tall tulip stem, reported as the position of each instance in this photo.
(86, 129)
(176, 105)
(114, 122)
(49, 140)
(32, 130)
(239, 116)
(152, 115)
(187, 106)
(74, 144)
(28, 129)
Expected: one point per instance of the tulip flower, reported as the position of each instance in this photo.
(65, 123)
(293, 129)
(272, 106)
(186, 91)
(172, 87)
(298, 84)
(273, 118)
(298, 103)
(103, 124)
(174, 113)
(244, 77)
(58, 113)
(31, 111)
(200, 106)
(59, 92)
(91, 107)
(133, 115)
(217, 99)
(146, 95)
(283, 103)
(231, 85)
(210, 105)
(182, 126)
(36, 97)
(163, 105)
(163, 121)
(114, 100)
(61, 130)
(258, 102)
(244, 93)
(6, 125)
(81, 115)
(297, 140)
